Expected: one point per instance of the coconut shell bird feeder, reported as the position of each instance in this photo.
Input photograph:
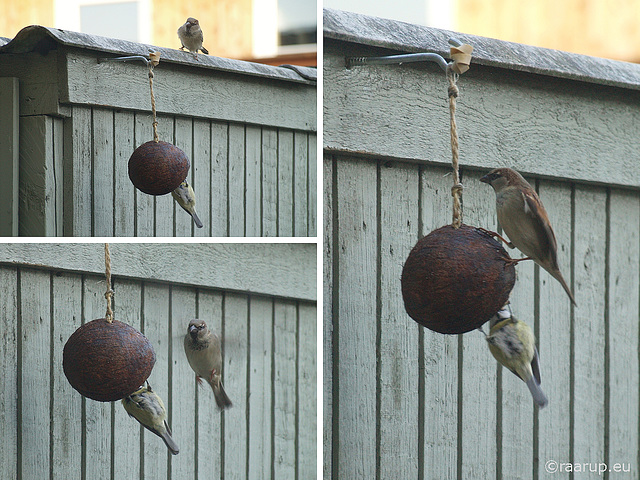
(105, 359)
(458, 276)
(156, 167)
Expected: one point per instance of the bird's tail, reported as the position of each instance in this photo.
(536, 392)
(558, 276)
(222, 400)
(196, 219)
(168, 441)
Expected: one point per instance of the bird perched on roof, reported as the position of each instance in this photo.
(524, 219)
(202, 348)
(186, 198)
(190, 35)
(147, 408)
(513, 345)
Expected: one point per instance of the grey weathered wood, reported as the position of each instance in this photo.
(285, 183)
(506, 117)
(236, 202)
(282, 270)
(253, 181)
(398, 194)
(300, 184)
(219, 179)
(9, 155)
(124, 198)
(201, 168)
(328, 377)
(307, 394)
(102, 163)
(269, 182)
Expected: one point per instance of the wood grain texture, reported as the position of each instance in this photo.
(356, 312)
(307, 392)
(236, 178)
(328, 378)
(283, 270)
(124, 199)
(398, 343)
(201, 169)
(9, 151)
(219, 179)
(300, 184)
(270, 182)
(253, 182)
(285, 183)
(102, 168)
(9, 358)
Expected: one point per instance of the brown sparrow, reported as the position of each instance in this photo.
(524, 219)
(202, 348)
(191, 37)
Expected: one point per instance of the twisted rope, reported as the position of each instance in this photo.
(456, 190)
(109, 293)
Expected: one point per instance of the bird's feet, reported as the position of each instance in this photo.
(199, 380)
(513, 261)
(182, 48)
(213, 373)
(497, 235)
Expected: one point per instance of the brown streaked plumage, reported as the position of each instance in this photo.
(202, 348)
(191, 38)
(524, 219)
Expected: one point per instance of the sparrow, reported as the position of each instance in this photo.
(202, 348)
(191, 37)
(512, 344)
(186, 198)
(147, 408)
(524, 219)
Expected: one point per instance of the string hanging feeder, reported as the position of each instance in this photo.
(105, 359)
(156, 167)
(458, 276)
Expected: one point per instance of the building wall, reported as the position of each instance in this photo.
(268, 353)
(401, 401)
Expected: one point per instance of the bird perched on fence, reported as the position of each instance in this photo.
(524, 219)
(202, 348)
(512, 344)
(186, 198)
(190, 35)
(147, 408)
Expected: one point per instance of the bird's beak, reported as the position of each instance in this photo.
(486, 178)
(192, 328)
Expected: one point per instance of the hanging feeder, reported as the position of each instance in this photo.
(104, 359)
(457, 277)
(155, 167)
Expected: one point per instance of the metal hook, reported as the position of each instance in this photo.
(124, 59)
(403, 58)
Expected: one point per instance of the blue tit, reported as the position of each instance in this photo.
(147, 408)
(512, 343)
(203, 350)
(186, 198)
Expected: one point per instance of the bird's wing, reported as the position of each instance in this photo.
(543, 226)
(535, 365)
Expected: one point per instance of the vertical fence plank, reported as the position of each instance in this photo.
(269, 182)
(184, 225)
(9, 151)
(97, 414)
(555, 335)
(312, 187)
(145, 205)
(440, 352)
(623, 328)
(300, 184)
(253, 184)
(260, 394)
(124, 204)
(155, 318)
(219, 179)
(209, 439)
(356, 387)
(126, 438)
(479, 390)
(167, 213)
(234, 357)
(589, 329)
(181, 402)
(78, 193)
(237, 192)
(66, 402)
(57, 142)
(103, 158)
(284, 392)
(9, 379)
(398, 333)
(307, 392)
(34, 401)
(327, 318)
(201, 171)
(285, 183)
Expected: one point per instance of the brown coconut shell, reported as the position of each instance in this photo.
(158, 168)
(455, 280)
(107, 361)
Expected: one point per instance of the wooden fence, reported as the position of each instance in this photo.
(401, 401)
(249, 131)
(261, 298)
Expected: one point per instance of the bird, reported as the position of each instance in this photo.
(202, 348)
(524, 219)
(186, 198)
(147, 408)
(512, 344)
(191, 38)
